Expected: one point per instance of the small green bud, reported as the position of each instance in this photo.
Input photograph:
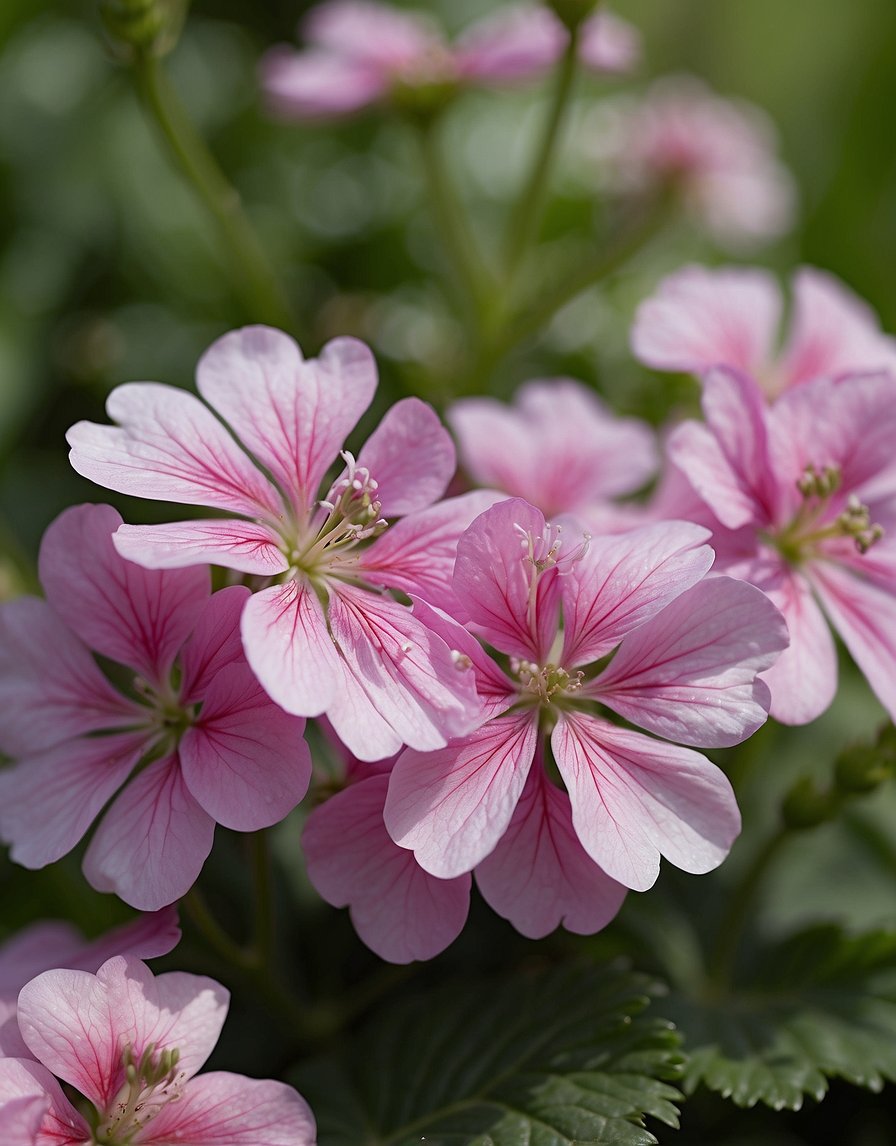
(862, 768)
(805, 807)
(143, 27)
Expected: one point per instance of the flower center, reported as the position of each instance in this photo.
(543, 682)
(814, 522)
(151, 1081)
(169, 717)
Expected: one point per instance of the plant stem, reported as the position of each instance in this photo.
(254, 279)
(527, 215)
(264, 912)
(213, 933)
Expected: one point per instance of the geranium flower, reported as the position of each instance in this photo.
(586, 455)
(683, 657)
(324, 637)
(53, 944)
(803, 494)
(700, 318)
(131, 1044)
(190, 738)
(361, 52)
(715, 154)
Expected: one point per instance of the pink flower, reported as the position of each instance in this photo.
(131, 1045)
(804, 493)
(559, 448)
(701, 317)
(718, 155)
(57, 944)
(203, 741)
(686, 652)
(361, 52)
(323, 637)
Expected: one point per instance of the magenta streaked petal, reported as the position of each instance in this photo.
(50, 686)
(215, 643)
(168, 446)
(294, 415)
(378, 34)
(622, 581)
(151, 844)
(246, 546)
(23, 1119)
(245, 759)
(400, 911)
(27, 1088)
(290, 649)
(411, 456)
(689, 673)
(452, 806)
(317, 85)
(517, 42)
(362, 729)
(493, 579)
(138, 617)
(151, 934)
(48, 801)
(634, 799)
(539, 876)
(221, 1109)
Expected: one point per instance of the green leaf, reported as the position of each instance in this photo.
(819, 1005)
(548, 1059)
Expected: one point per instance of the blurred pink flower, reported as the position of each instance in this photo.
(686, 652)
(57, 944)
(559, 448)
(361, 52)
(193, 741)
(718, 155)
(131, 1044)
(699, 318)
(323, 637)
(802, 494)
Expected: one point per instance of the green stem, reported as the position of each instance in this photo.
(254, 279)
(213, 933)
(527, 215)
(264, 905)
(740, 903)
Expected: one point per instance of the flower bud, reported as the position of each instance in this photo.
(863, 768)
(143, 27)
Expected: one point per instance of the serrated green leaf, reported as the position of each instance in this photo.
(551, 1059)
(819, 1005)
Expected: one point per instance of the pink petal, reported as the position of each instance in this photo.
(147, 936)
(701, 318)
(78, 1024)
(364, 732)
(215, 643)
(622, 581)
(517, 42)
(608, 44)
(416, 555)
(864, 614)
(221, 1109)
(406, 672)
(411, 456)
(803, 680)
(378, 34)
(135, 616)
(244, 760)
(245, 546)
(834, 332)
(400, 911)
(539, 875)
(317, 85)
(290, 649)
(451, 807)
(153, 841)
(293, 415)
(494, 575)
(634, 799)
(48, 801)
(27, 1088)
(22, 955)
(169, 447)
(689, 673)
(50, 687)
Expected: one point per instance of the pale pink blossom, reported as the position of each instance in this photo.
(361, 52)
(686, 653)
(57, 944)
(323, 637)
(801, 496)
(193, 740)
(716, 154)
(131, 1045)
(559, 448)
(700, 318)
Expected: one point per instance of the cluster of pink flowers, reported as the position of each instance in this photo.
(361, 52)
